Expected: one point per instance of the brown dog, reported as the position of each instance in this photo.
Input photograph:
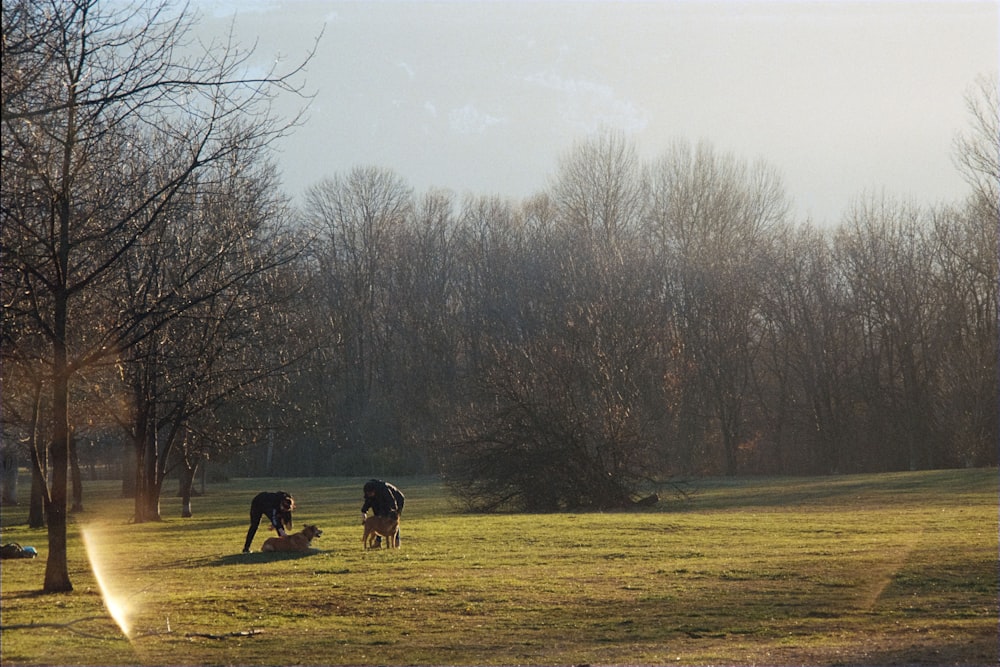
(386, 526)
(300, 541)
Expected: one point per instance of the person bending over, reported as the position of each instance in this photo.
(277, 507)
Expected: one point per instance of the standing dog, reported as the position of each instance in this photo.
(386, 526)
(382, 498)
(300, 541)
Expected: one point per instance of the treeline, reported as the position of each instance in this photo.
(638, 321)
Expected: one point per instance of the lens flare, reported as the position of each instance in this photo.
(114, 602)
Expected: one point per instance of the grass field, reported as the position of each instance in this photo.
(870, 569)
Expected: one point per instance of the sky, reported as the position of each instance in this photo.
(485, 98)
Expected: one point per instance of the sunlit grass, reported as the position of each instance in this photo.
(873, 569)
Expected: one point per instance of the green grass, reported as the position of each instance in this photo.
(868, 569)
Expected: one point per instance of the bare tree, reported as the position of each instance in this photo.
(421, 327)
(976, 148)
(356, 219)
(711, 218)
(106, 122)
(965, 287)
(565, 408)
(810, 355)
(226, 238)
(887, 260)
(966, 241)
(599, 191)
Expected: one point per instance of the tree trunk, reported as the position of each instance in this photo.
(187, 486)
(730, 444)
(270, 450)
(9, 477)
(151, 503)
(36, 507)
(147, 493)
(130, 467)
(56, 567)
(39, 466)
(74, 470)
(732, 465)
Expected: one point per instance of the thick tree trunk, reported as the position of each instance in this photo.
(56, 568)
(147, 493)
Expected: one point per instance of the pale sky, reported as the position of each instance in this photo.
(484, 98)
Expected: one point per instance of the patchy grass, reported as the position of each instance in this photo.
(868, 569)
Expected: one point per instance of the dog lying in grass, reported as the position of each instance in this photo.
(300, 541)
(386, 526)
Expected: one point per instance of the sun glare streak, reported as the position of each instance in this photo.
(113, 601)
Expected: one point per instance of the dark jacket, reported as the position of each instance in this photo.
(387, 498)
(277, 506)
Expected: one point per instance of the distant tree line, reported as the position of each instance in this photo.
(165, 305)
(642, 321)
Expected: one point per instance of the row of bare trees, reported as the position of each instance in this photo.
(143, 239)
(639, 321)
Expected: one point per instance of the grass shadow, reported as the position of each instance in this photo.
(27, 595)
(862, 490)
(263, 557)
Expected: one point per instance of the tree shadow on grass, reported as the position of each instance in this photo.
(263, 557)
(844, 490)
(919, 650)
(25, 595)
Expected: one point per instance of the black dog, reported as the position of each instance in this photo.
(277, 507)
